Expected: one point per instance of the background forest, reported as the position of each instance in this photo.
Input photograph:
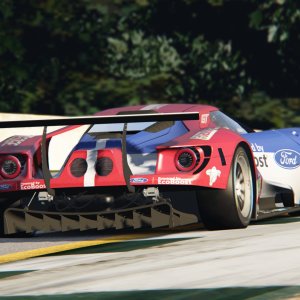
(78, 57)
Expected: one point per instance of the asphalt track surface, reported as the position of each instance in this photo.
(260, 262)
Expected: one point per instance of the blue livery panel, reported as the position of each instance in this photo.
(141, 142)
(284, 143)
(269, 141)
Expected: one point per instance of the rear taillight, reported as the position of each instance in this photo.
(186, 159)
(10, 167)
(78, 167)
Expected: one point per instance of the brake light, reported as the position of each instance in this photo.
(10, 167)
(186, 159)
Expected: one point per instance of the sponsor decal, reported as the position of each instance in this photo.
(213, 174)
(204, 118)
(34, 185)
(287, 158)
(16, 140)
(257, 148)
(261, 161)
(5, 187)
(205, 134)
(139, 180)
(174, 180)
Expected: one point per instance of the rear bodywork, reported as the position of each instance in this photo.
(121, 173)
(120, 169)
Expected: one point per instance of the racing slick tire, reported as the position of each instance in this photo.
(231, 208)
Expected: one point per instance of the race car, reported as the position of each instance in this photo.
(146, 166)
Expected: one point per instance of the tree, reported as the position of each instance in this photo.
(63, 57)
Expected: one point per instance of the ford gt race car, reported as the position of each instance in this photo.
(150, 165)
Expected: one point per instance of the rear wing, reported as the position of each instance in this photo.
(126, 118)
(153, 117)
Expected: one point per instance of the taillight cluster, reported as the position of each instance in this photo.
(103, 166)
(10, 166)
(187, 159)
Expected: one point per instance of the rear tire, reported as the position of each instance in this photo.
(230, 208)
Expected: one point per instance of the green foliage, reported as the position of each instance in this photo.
(135, 56)
(278, 18)
(212, 70)
(279, 22)
(77, 57)
(262, 112)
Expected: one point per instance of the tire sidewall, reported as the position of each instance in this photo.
(240, 151)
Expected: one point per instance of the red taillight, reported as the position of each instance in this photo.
(10, 167)
(186, 159)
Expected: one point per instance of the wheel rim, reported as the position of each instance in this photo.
(243, 185)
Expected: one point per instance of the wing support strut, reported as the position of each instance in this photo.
(126, 169)
(45, 167)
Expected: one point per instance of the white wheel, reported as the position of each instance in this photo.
(243, 184)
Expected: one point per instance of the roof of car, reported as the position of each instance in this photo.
(160, 108)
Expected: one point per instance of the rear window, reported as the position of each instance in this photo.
(118, 127)
(131, 127)
(223, 121)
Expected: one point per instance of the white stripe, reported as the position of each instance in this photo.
(89, 177)
(101, 144)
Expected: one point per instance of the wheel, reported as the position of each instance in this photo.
(230, 208)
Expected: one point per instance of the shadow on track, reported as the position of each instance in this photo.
(231, 293)
(284, 219)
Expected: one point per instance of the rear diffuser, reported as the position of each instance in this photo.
(151, 216)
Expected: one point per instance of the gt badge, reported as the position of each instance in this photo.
(204, 118)
(213, 174)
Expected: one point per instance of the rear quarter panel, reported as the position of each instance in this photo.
(222, 142)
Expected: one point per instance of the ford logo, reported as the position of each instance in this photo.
(138, 180)
(4, 187)
(287, 158)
